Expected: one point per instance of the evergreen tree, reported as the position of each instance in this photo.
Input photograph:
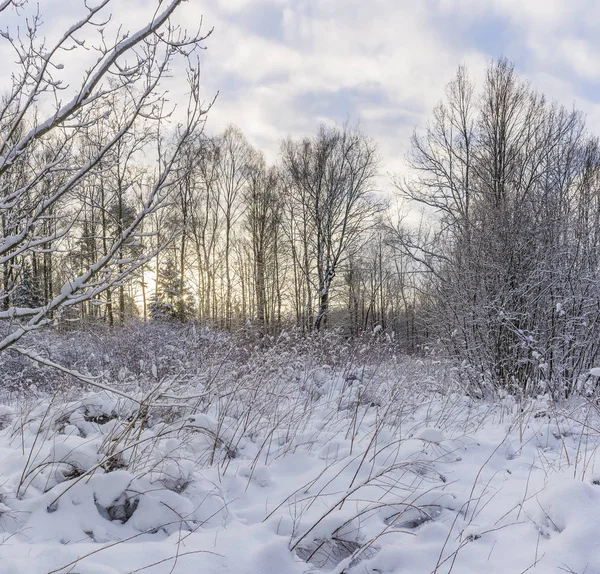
(27, 292)
(171, 299)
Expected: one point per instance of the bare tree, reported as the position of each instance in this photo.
(330, 179)
(263, 216)
(136, 63)
(234, 156)
(506, 178)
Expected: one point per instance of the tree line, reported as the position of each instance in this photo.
(274, 245)
(236, 241)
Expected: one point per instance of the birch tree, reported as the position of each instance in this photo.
(331, 180)
(234, 157)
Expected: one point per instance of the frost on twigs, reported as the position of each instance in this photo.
(275, 458)
(110, 128)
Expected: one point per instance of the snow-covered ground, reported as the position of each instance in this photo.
(387, 469)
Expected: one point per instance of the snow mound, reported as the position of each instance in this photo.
(430, 435)
(324, 472)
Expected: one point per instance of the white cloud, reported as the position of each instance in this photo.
(326, 47)
(281, 66)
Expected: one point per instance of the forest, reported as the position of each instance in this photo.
(485, 248)
(214, 358)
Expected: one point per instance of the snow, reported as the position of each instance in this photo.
(318, 471)
(431, 435)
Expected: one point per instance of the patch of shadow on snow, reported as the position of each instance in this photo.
(326, 553)
(412, 518)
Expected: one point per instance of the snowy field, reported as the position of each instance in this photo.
(281, 461)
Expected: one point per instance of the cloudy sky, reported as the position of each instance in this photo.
(283, 66)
